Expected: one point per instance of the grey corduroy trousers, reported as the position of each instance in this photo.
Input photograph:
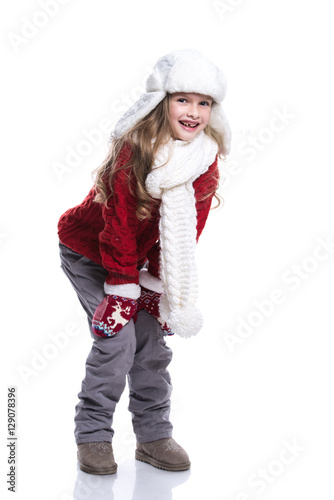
(138, 353)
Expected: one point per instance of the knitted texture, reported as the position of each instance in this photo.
(113, 237)
(150, 282)
(149, 301)
(176, 166)
(112, 314)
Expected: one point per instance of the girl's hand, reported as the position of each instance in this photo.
(112, 314)
(149, 301)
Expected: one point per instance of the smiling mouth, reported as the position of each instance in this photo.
(189, 125)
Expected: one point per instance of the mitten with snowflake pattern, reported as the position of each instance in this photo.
(149, 301)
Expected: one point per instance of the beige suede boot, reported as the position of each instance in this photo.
(96, 458)
(164, 454)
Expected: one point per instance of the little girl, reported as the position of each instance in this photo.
(129, 252)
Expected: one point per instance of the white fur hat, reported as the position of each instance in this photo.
(181, 71)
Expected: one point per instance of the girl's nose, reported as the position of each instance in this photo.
(193, 111)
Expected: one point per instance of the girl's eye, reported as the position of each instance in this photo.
(181, 99)
(205, 103)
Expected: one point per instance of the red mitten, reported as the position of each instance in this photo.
(149, 301)
(112, 314)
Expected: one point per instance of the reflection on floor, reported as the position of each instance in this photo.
(134, 480)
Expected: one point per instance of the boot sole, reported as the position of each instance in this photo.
(142, 457)
(99, 472)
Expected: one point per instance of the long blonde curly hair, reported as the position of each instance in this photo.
(139, 139)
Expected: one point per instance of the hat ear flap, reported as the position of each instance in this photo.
(218, 122)
(141, 108)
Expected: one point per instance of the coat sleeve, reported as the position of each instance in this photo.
(118, 239)
(205, 187)
(153, 256)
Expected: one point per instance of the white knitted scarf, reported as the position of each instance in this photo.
(176, 167)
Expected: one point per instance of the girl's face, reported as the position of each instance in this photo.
(189, 114)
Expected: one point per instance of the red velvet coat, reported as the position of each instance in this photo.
(113, 236)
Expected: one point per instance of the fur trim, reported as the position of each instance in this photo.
(137, 112)
(150, 282)
(127, 290)
(219, 122)
(187, 71)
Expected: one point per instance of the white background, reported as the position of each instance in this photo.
(241, 394)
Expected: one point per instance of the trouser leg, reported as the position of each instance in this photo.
(109, 359)
(107, 365)
(87, 279)
(149, 382)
